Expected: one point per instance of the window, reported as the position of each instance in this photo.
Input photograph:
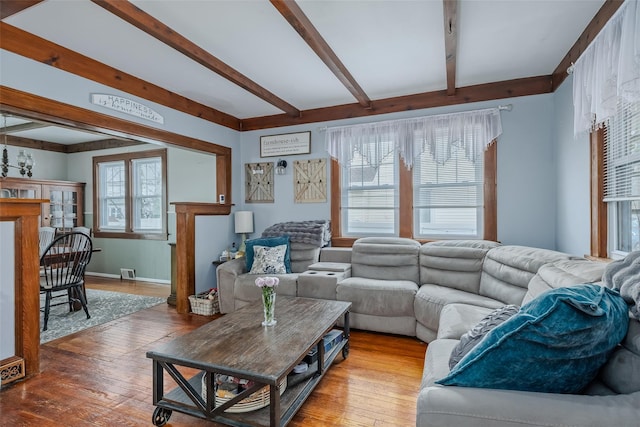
(448, 197)
(130, 195)
(621, 184)
(456, 199)
(370, 196)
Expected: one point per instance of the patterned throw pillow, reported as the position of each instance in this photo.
(475, 335)
(268, 260)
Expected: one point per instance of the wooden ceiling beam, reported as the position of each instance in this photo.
(588, 35)
(31, 46)
(11, 7)
(451, 42)
(22, 127)
(299, 21)
(463, 95)
(150, 25)
(35, 144)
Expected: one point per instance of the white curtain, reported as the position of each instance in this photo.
(472, 130)
(609, 70)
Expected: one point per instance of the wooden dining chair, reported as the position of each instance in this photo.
(63, 264)
(46, 236)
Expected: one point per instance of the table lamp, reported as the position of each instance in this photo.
(243, 225)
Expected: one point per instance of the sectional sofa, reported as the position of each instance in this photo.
(437, 292)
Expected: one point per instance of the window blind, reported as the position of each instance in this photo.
(622, 154)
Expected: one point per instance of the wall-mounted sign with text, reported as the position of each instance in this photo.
(285, 144)
(126, 106)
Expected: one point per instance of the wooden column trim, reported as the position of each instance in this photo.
(490, 192)
(25, 213)
(599, 225)
(405, 196)
(186, 246)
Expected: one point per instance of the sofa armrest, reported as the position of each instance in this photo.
(226, 276)
(465, 406)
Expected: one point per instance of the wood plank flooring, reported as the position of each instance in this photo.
(101, 376)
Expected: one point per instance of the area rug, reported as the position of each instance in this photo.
(103, 307)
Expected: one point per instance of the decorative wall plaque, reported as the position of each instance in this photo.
(310, 180)
(258, 178)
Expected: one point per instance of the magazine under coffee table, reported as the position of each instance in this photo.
(236, 344)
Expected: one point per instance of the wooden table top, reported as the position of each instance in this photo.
(237, 343)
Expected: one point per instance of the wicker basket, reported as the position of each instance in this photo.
(201, 304)
(255, 401)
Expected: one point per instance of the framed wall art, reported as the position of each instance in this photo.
(286, 144)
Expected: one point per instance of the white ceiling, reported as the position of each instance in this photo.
(392, 48)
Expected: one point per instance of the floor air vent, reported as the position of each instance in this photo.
(127, 274)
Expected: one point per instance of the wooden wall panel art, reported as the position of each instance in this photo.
(258, 182)
(310, 180)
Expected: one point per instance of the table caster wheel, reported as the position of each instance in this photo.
(161, 416)
(345, 351)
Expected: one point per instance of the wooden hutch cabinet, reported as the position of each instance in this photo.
(65, 209)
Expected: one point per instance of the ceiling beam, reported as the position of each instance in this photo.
(14, 101)
(588, 35)
(484, 92)
(102, 144)
(11, 7)
(150, 25)
(35, 144)
(299, 21)
(22, 127)
(31, 46)
(451, 42)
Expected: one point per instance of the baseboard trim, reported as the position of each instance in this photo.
(138, 279)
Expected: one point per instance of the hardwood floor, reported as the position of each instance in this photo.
(101, 377)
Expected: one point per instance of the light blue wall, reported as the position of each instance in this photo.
(573, 227)
(526, 170)
(542, 172)
(212, 234)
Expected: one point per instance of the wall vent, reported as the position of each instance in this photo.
(127, 274)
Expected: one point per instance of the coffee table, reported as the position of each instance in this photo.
(237, 344)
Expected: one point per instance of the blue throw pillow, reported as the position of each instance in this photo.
(555, 344)
(269, 242)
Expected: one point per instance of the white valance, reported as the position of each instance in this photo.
(472, 131)
(609, 70)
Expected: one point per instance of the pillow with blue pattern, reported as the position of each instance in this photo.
(268, 260)
(270, 242)
(556, 343)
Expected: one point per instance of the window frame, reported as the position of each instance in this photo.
(129, 232)
(405, 203)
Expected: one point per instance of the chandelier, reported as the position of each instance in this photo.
(25, 161)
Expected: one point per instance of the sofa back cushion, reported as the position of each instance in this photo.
(564, 273)
(507, 270)
(386, 258)
(454, 263)
(303, 255)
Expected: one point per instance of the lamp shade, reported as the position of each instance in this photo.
(244, 221)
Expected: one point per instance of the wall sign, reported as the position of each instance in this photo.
(126, 106)
(285, 144)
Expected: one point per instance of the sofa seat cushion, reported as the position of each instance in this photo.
(555, 344)
(436, 361)
(621, 373)
(390, 298)
(245, 288)
(430, 300)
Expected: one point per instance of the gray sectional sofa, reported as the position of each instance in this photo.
(438, 291)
